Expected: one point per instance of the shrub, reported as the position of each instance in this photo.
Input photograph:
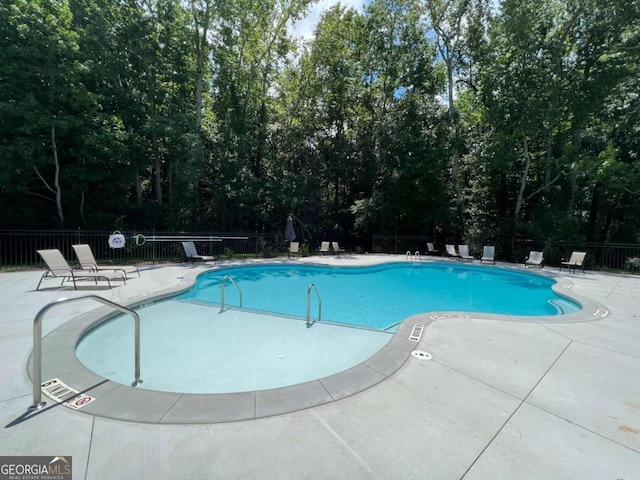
(633, 263)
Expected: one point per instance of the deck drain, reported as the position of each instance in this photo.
(419, 354)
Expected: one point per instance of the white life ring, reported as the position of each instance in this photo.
(117, 240)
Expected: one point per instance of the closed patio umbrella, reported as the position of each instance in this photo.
(290, 233)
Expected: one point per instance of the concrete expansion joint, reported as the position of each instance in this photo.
(522, 402)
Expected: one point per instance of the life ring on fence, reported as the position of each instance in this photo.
(117, 240)
(139, 239)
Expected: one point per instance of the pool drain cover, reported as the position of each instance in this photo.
(419, 354)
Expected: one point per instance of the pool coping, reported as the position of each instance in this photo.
(121, 402)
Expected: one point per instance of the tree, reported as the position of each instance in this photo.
(251, 42)
(42, 100)
(447, 20)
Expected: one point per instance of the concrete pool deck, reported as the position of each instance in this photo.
(499, 399)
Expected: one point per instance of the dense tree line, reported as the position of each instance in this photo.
(449, 118)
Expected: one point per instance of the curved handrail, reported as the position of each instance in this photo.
(309, 323)
(228, 277)
(415, 257)
(37, 343)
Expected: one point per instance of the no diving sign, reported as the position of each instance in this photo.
(79, 401)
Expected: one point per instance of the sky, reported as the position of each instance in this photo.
(304, 28)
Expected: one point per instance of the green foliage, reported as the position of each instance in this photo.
(443, 118)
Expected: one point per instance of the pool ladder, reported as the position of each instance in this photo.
(230, 278)
(415, 257)
(309, 322)
(37, 343)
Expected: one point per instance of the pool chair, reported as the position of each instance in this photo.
(431, 250)
(451, 251)
(576, 261)
(534, 258)
(57, 267)
(324, 248)
(294, 248)
(463, 250)
(336, 248)
(488, 254)
(192, 254)
(88, 262)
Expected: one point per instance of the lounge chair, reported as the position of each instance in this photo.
(88, 262)
(431, 250)
(192, 254)
(57, 267)
(576, 261)
(294, 248)
(488, 254)
(336, 248)
(534, 258)
(324, 248)
(451, 251)
(463, 250)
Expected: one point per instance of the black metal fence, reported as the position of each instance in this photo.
(609, 257)
(18, 248)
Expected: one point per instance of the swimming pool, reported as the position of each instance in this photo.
(381, 296)
(188, 346)
(191, 348)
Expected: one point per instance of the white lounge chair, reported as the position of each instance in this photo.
(431, 249)
(88, 262)
(463, 250)
(324, 248)
(336, 248)
(294, 248)
(192, 254)
(488, 254)
(534, 258)
(451, 251)
(57, 267)
(576, 261)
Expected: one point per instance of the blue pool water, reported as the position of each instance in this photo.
(188, 346)
(381, 296)
(191, 348)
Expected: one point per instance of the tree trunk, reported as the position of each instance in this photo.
(523, 180)
(455, 160)
(138, 189)
(56, 181)
(158, 177)
(201, 49)
(593, 212)
(549, 160)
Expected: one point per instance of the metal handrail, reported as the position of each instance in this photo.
(228, 277)
(37, 343)
(415, 257)
(312, 286)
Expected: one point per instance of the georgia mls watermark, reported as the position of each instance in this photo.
(35, 468)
